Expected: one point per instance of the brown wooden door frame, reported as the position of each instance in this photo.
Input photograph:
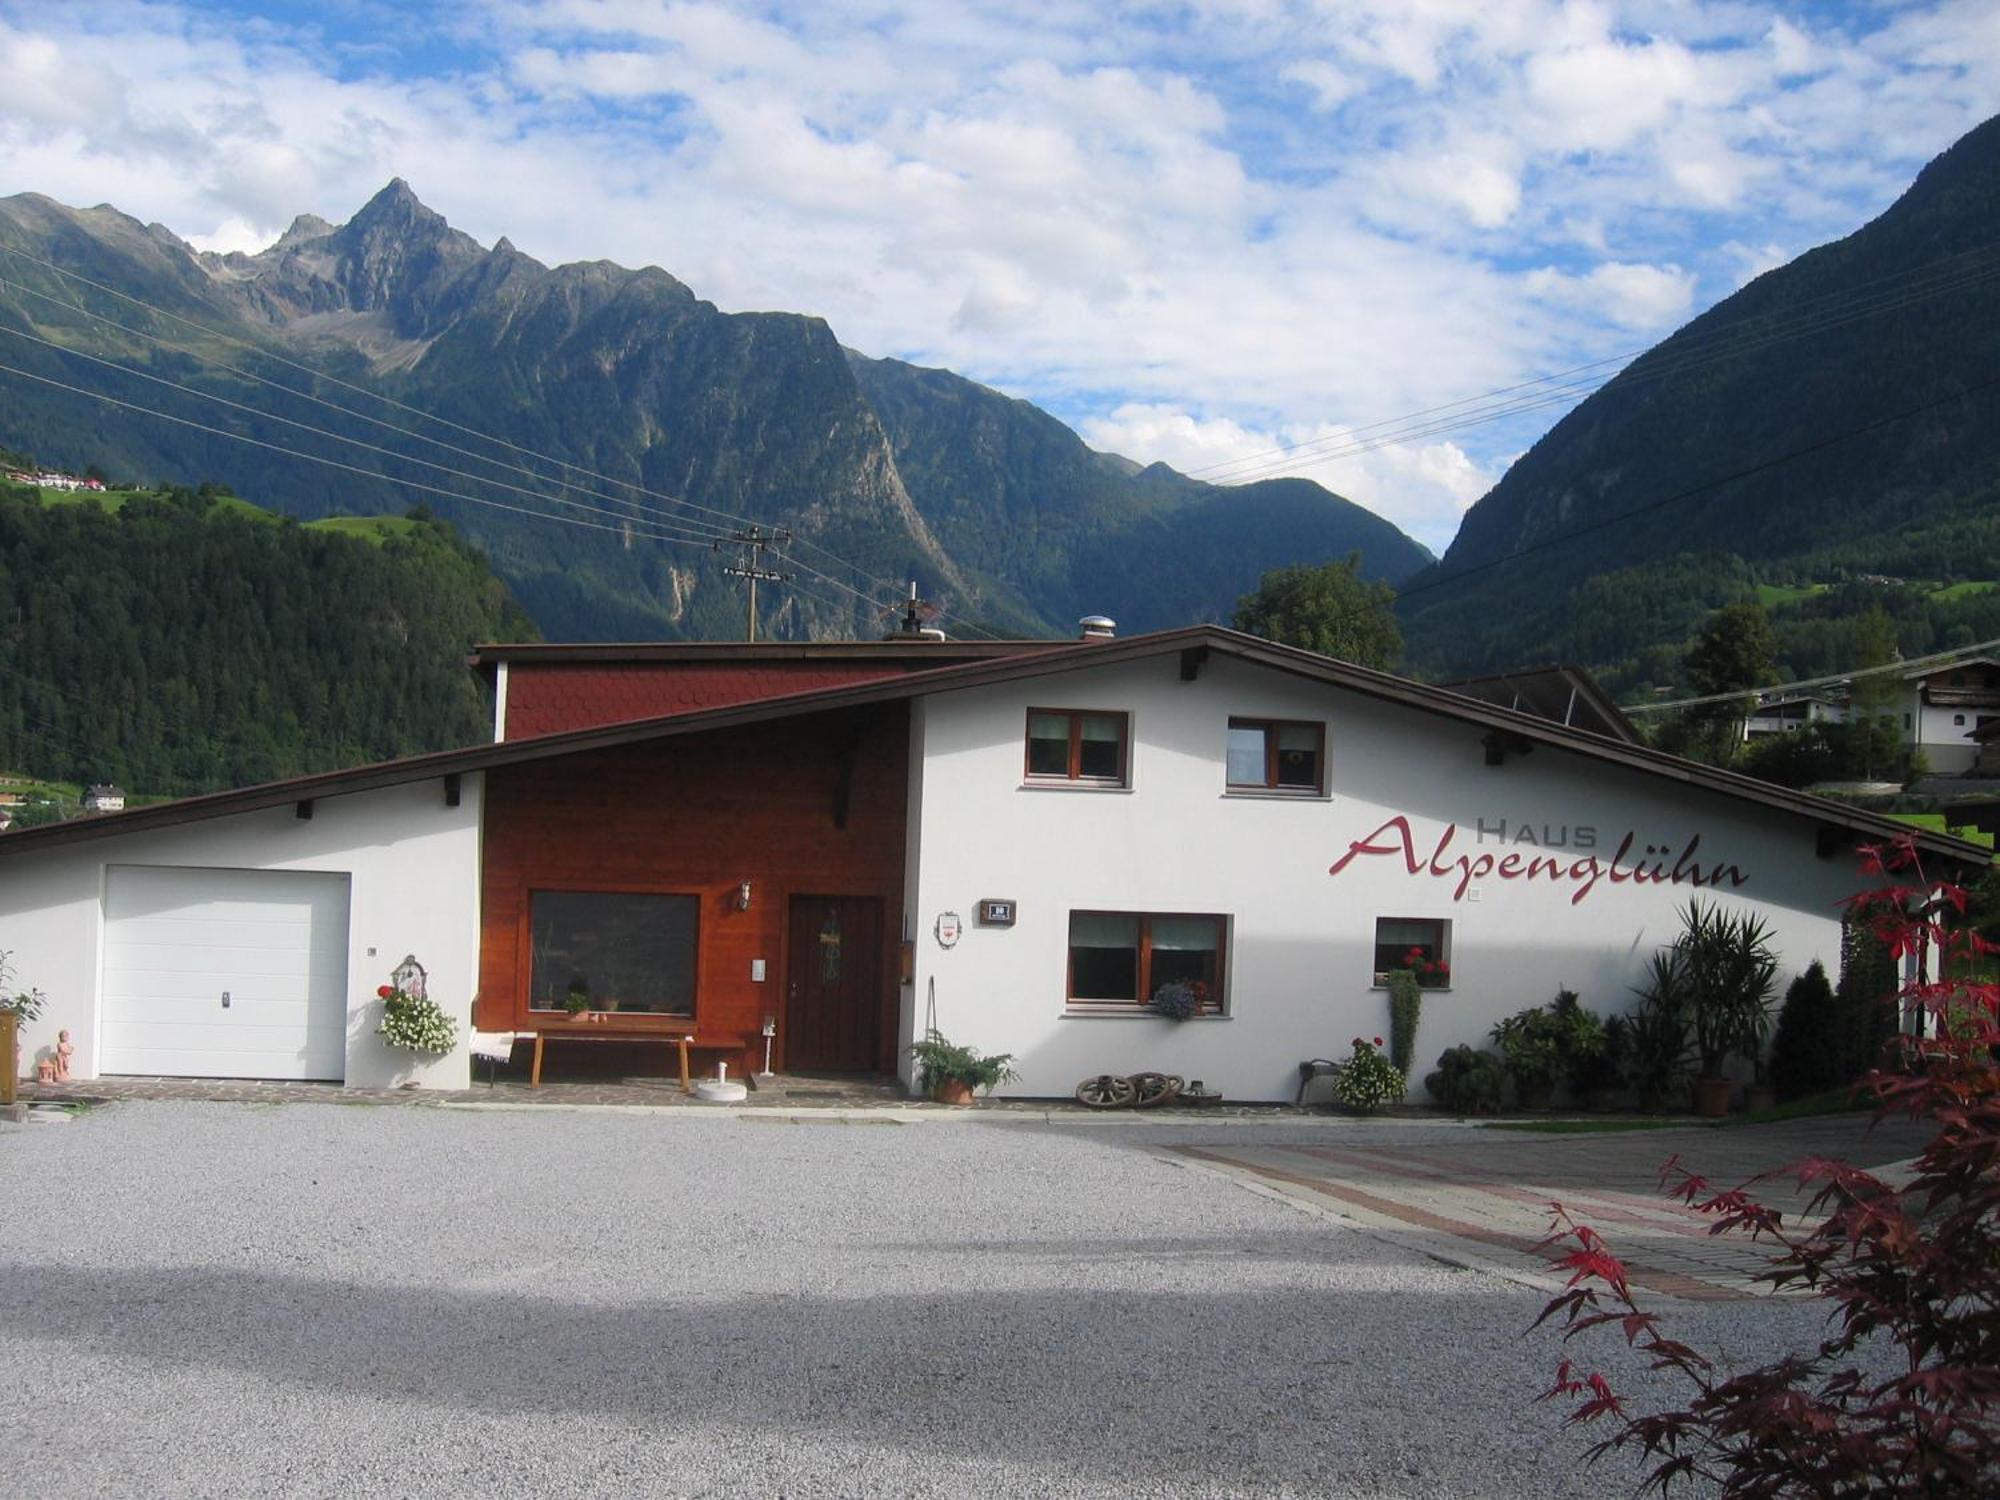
(815, 1037)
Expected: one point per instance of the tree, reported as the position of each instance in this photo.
(1901, 1394)
(1732, 652)
(1330, 609)
(1873, 736)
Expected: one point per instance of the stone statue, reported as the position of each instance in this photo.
(65, 1050)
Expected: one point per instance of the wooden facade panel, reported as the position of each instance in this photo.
(810, 806)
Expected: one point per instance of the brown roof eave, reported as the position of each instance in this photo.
(1061, 656)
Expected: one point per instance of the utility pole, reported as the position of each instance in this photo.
(756, 540)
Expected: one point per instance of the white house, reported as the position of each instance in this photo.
(1018, 847)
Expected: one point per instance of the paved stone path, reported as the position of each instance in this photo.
(1482, 1198)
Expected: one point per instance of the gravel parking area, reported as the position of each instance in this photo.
(211, 1299)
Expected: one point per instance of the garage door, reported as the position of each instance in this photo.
(224, 973)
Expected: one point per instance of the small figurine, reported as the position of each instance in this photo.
(45, 1070)
(65, 1050)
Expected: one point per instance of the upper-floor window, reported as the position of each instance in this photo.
(1087, 746)
(1277, 755)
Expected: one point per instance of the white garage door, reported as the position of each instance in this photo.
(224, 973)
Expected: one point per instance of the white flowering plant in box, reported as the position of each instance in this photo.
(411, 1020)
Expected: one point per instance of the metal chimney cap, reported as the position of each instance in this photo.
(1094, 626)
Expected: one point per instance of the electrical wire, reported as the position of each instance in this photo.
(374, 395)
(1936, 658)
(1960, 271)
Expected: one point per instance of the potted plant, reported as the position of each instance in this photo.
(1579, 1042)
(1431, 973)
(1179, 1000)
(23, 1005)
(1598, 1079)
(1368, 1080)
(951, 1074)
(1657, 1032)
(1530, 1048)
(577, 1000)
(1731, 973)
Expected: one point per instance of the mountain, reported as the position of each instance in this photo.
(1835, 417)
(535, 374)
(184, 640)
(1023, 499)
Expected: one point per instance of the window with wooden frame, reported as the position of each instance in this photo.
(1118, 961)
(625, 951)
(1276, 755)
(1084, 747)
(1420, 944)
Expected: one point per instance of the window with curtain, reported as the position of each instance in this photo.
(1276, 755)
(1419, 944)
(1085, 747)
(1120, 960)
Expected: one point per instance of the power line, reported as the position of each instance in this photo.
(1957, 653)
(374, 395)
(1684, 353)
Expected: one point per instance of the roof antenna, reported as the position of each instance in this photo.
(917, 613)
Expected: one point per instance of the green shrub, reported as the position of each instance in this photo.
(1467, 1082)
(1808, 1052)
(1867, 1011)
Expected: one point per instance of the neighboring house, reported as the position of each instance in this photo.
(1019, 844)
(1783, 713)
(104, 797)
(1945, 707)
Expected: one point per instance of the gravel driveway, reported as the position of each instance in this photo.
(324, 1300)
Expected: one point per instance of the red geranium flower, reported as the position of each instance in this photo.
(1378, 1041)
(386, 991)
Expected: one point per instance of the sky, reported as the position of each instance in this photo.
(1199, 232)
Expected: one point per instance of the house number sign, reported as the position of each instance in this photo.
(996, 913)
(949, 926)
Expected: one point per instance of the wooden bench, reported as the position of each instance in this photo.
(681, 1040)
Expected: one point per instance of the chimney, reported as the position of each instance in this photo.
(1097, 628)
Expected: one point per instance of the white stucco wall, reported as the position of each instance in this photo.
(1301, 940)
(413, 868)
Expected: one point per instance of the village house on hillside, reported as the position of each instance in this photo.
(1939, 711)
(842, 845)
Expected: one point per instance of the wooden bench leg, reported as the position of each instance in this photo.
(687, 1085)
(535, 1073)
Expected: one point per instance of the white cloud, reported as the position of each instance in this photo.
(1422, 487)
(1235, 222)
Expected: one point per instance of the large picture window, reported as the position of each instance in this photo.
(1120, 960)
(615, 950)
(1075, 745)
(1419, 944)
(1276, 755)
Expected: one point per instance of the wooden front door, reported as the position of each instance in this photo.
(833, 1000)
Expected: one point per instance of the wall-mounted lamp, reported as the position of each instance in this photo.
(743, 896)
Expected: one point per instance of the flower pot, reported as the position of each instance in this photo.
(954, 1091)
(1537, 1096)
(1711, 1097)
(1760, 1097)
(1601, 1101)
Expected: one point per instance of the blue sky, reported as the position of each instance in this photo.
(1197, 231)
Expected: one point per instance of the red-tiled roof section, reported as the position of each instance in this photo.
(549, 698)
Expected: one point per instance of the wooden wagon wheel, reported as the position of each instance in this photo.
(1106, 1091)
(1154, 1089)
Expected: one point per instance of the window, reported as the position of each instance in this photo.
(1120, 960)
(1958, 720)
(1420, 944)
(1276, 755)
(1087, 747)
(615, 950)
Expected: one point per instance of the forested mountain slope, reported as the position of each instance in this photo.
(184, 642)
(1837, 416)
(628, 375)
